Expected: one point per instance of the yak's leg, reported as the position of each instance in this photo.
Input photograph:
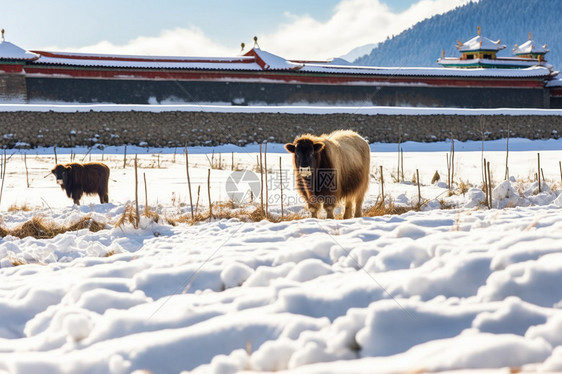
(329, 210)
(314, 208)
(104, 198)
(348, 209)
(76, 195)
(359, 206)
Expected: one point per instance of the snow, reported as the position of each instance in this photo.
(13, 52)
(269, 61)
(535, 71)
(530, 46)
(436, 290)
(504, 62)
(289, 109)
(110, 57)
(480, 43)
(258, 60)
(160, 63)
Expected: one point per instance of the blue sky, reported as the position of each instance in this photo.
(290, 28)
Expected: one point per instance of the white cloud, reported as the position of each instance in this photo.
(175, 42)
(353, 23)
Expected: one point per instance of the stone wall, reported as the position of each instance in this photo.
(178, 129)
(139, 91)
(13, 87)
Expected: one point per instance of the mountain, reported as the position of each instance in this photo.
(355, 53)
(511, 21)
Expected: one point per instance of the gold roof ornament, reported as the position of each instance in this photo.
(3, 34)
(242, 46)
(256, 42)
(478, 30)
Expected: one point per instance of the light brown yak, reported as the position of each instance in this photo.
(330, 169)
(89, 178)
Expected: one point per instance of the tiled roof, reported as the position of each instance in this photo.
(530, 46)
(256, 60)
(480, 43)
(11, 51)
(259, 60)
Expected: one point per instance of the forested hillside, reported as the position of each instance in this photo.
(511, 21)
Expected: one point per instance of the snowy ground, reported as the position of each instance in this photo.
(436, 290)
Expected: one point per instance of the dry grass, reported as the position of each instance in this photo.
(86, 223)
(229, 210)
(216, 162)
(19, 208)
(129, 216)
(381, 208)
(253, 213)
(40, 228)
(445, 205)
(110, 253)
(463, 187)
(16, 261)
(436, 177)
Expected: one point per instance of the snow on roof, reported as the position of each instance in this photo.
(11, 51)
(255, 59)
(554, 83)
(500, 62)
(129, 61)
(139, 58)
(269, 61)
(208, 65)
(531, 72)
(480, 43)
(259, 60)
(530, 46)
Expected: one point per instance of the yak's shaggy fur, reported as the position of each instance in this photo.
(330, 169)
(89, 178)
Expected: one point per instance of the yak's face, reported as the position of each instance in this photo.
(305, 155)
(61, 172)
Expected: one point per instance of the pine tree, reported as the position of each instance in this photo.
(510, 21)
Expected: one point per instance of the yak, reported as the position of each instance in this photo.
(76, 179)
(332, 168)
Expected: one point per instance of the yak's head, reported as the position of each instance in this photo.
(305, 155)
(61, 172)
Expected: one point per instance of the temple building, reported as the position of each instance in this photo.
(531, 50)
(481, 52)
(259, 77)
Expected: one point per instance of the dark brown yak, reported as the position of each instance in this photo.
(76, 179)
(330, 169)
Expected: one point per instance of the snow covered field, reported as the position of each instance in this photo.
(435, 290)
